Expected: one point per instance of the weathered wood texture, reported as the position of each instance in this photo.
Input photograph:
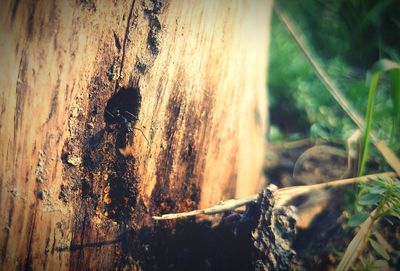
(192, 72)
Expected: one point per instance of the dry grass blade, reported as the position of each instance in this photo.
(284, 195)
(390, 157)
(356, 245)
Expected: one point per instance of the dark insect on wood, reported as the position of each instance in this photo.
(122, 111)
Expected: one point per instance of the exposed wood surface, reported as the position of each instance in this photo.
(194, 72)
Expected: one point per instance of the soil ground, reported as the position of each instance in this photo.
(322, 233)
(320, 224)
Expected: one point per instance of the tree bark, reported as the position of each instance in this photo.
(112, 112)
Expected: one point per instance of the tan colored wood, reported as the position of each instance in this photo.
(68, 198)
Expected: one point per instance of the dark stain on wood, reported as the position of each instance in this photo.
(105, 184)
(30, 21)
(162, 196)
(125, 42)
(21, 90)
(33, 213)
(117, 42)
(54, 101)
(153, 38)
(7, 229)
(14, 10)
(188, 156)
(89, 5)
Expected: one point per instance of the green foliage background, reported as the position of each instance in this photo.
(348, 37)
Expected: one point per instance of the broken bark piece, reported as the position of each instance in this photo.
(274, 234)
(269, 229)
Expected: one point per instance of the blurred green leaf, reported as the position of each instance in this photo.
(369, 199)
(377, 189)
(395, 91)
(357, 219)
(274, 134)
(368, 122)
(395, 88)
(379, 249)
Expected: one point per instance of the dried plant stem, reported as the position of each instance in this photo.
(357, 245)
(223, 206)
(283, 196)
(389, 155)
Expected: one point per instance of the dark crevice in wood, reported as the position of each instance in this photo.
(14, 10)
(127, 29)
(30, 22)
(7, 229)
(28, 262)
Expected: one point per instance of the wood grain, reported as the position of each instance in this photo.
(68, 198)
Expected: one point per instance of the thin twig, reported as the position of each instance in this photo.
(283, 196)
(221, 207)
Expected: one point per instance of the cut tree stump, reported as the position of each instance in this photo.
(115, 111)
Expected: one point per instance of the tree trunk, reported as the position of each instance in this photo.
(112, 112)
